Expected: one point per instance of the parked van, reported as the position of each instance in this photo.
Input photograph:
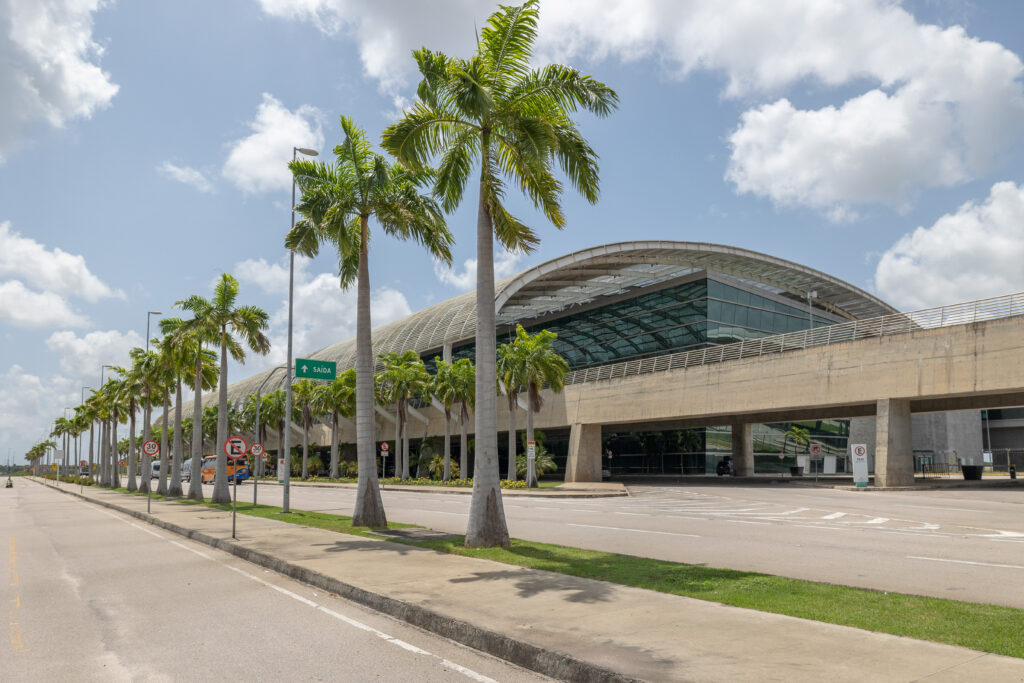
(154, 469)
(186, 470)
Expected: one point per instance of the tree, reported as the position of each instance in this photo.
(446, 387)
(219, 320)
(131, 389)
(494, 111)
(539, 365)
(463, 378)
(338, 399)
(509, 369)
(338, 201)
(800, 436)
(272, 413)
(404, 377)
(304, 393)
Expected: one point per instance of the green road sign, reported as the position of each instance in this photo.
(315, 369)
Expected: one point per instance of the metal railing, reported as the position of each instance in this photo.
(884, 326)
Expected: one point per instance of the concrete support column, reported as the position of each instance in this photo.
(743, 449)
(894, 454)
(584, 461)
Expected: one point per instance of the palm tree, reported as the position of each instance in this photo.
(800, 436)
(338, 201)
(130, 390)
(539, 364)
(339, 400)
(272, 413)
(404, 377)
(515, 121)
(304, 392)
(445, 387)
(509, 369)
(464, 379)
(184, 352)
(218, 320)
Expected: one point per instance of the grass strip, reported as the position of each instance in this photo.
(987, 628)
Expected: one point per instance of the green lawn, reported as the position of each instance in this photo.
(987, 628)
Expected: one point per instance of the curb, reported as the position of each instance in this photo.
(547, 662)
(461, 490)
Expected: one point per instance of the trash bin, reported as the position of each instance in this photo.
(972, 472)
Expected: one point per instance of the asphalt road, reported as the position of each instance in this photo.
(965, 544)
(95, 596)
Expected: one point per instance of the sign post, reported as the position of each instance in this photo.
(816, 455)
(531, 458)
(256, 450)
(315, 369)
(150, 448)
(383, 459)
(860, 464)
(235, 448)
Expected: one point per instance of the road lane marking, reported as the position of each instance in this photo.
(639, 531)
(469, 673)
(877, 520)
(14, 563)
(633, 514)
(835, 515)
(978, 564)
(746, 521)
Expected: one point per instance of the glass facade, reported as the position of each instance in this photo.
(692, 315)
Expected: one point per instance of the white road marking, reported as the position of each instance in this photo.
(877, 520)
(633, 514)
(746, 521)
(639, 531)
(979, 564)
(469, 673)
(835, 515)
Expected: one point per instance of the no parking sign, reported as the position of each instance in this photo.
(860, 464)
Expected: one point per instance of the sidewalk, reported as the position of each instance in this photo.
(563, 626)
(567, 490)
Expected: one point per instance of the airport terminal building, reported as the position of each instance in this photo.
(632, 304)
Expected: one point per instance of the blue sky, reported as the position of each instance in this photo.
(142, 152)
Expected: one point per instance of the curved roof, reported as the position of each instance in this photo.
(590, 274)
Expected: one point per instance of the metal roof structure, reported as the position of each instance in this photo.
(585, 276)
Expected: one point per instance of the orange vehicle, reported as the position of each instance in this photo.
(239, 468)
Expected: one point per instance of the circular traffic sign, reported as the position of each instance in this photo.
(235, 447)
(256, 449)
(860, 451)
(151, 448)
(816, 449)
(384, 446)
(83, 463)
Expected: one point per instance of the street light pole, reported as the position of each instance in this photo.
(255, 463)
(286, 499)
(105, 444)
(147, 412)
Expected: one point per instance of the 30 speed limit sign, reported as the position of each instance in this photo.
(151, 448)
(256, 449)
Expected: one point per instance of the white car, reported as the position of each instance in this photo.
(154, 469)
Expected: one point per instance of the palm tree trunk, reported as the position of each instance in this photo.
(195, 484)
(92, 425)
(463, 444)
(305, 443)
(104, 444)
(115, 477)
(221, 493)
(161, 486)
(174, 490)
(369, 509)
(405, 446)
(334, 446)
(531, 465)
(132, 485)
(447, 444)
(511, 436)
(486, 527)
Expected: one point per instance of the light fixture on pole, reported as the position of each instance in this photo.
(286, 498)
(149, 313)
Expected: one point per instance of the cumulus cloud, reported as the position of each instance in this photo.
(259, 162)
(505, 264)
(49, 66)
(22, 307)
(55, 271)
(323, 312)
(938, 108)
(82, 357)
(972, 253)
(28, 405)
(186, 175)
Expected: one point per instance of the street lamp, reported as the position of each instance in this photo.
(255, 464)
(149, 313)
(288, 364)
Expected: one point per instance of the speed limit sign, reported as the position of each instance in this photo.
(151, 448)
(256, 449)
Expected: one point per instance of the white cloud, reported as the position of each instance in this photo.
(973, 253)
(259, 162)
(49, 66)
(946, 105)
(186, 175)
(22, 307)
(505, 264)
(29, 404)
(324, 313)
(55, 271)
(82, 357)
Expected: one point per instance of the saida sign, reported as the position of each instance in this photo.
(315, 369)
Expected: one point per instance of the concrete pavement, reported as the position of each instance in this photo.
(568, 627)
